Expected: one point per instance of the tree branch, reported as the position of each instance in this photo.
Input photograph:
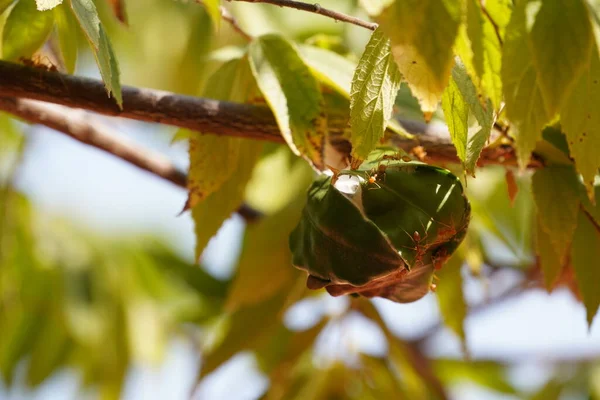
(317, 9)
(77, 125)
(207, 115)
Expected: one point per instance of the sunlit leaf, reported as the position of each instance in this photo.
(293, 94)
(422, 34)
(551, 262)
(487, 51)
(213, 9)
(556, 195)
(4, 4)
(585, 252)
(67, 31)
(488, 374)
(264, 266)
(561, 31)
(213, 159)
(25, 31)
(460, 100)
(581, 122)
(246, 327)
(330, 67)
(374, 88)
(87, 16)
(43, 5)
(524, 103)
(451, 299)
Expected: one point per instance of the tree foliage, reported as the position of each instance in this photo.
(515, 79)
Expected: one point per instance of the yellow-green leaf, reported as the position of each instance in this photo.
(524, 103)
(66, 27)
(87, 16)
(213, 159)
(213, 9)
(560, 42)
(549, 260)
(264, 266)
(25, 31)
(460, 99)
(585, 254)
(556, 196)
(292, 93)
(487, 51)
(451, 299)
(374, 88)
(580, 121)
(330, 68)
(422, 34)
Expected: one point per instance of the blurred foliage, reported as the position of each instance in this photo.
(71, 299)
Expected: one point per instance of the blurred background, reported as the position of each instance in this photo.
(100, 298)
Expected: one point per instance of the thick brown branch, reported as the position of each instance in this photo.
(317, 9)
(206, 115)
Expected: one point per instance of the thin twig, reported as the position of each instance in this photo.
(78, 125)
(317, 9)
(226, 15)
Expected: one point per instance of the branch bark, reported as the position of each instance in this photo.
(207, 115)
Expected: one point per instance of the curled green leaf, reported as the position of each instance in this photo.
(381, 230)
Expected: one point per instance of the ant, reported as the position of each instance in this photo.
(38, 63)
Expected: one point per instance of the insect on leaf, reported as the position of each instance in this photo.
(374, 87)
(25, 30)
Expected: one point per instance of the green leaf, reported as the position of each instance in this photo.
(552, 390)
(524, 103)
(213, 159)
(264, 262)
(556, 196)
(87, 16)
(329, 67)
(212, 211)
(43, 5)
(25, 31)
(292, 93)
(4, 4)
(451, 299)
(487, 51)
(403, 216)
(459, 100)
(246, 328)
(374, 89)
(585, 252)
(550, 261)
(423, 54)
(220, 167)
(67, 35)
(213, 9)
(580, 121)
(488, 374)
(561, 31)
